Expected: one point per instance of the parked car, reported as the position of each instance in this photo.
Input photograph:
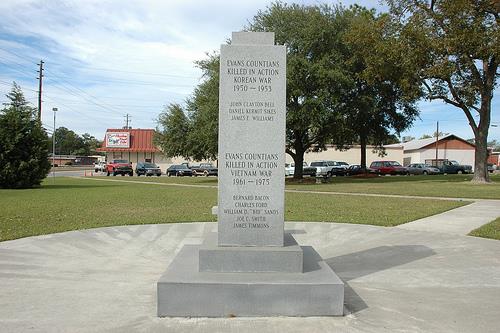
(455, 167)
(328, 168)
(119, 167)
(100, 166)
(491, 167)
(354, 169)
(147, 169)
(388, 168)
(342, 164)
(205, 169)
(179, 171)
(306, 170)
(422, 169)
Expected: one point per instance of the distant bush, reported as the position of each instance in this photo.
(68, 163)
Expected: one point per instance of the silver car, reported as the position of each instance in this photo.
(422, 169)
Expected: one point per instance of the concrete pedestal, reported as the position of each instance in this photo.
(184, 291)
(287, 258)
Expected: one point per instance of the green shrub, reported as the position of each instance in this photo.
(24, 159)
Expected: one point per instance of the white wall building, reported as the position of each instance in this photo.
(353, 155)
(449, 147)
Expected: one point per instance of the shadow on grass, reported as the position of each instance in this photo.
(366, 262)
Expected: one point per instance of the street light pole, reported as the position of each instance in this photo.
(54, 146)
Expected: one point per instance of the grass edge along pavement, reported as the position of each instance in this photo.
(68, 203)
(450, 186)
(490, 230)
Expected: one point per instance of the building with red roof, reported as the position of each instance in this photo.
(135, 145)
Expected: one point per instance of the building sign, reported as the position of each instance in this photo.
(118, 140)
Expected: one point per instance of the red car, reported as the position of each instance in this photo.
(119, 167)
(388, 168)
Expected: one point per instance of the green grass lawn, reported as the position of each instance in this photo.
(75, 203)
(453, 186)
(490, 230)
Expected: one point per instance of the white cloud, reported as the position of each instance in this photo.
(100, 46)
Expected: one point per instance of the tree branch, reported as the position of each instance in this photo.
(462, 105)
(290, 152)
(476, 76)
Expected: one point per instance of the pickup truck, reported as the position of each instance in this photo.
(455, 167)
(328, 168)
(119, 167)
(204, 169)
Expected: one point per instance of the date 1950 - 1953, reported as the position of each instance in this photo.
(256, 181)
(259, 88)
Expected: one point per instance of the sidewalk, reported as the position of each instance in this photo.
(458, 221)
(104, 280)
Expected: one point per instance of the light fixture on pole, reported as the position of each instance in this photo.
(54, 145)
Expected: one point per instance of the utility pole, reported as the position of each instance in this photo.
(127, 120)
(437, 139)
(40, 76)
(54, 147)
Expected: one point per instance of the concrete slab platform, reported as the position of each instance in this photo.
(396, 280)
(183, 291)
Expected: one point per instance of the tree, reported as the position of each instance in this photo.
(455, 48)
(194, 136)
(24, 159)
(70, 143)
(494, 144)
(314, 75)
(90, 145)
(379, 98)
(172, 136)
(203, 109)
(67, 142)
(440, 134)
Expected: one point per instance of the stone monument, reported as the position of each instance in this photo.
(250, 267)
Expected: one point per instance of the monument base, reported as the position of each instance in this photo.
(287, 258)
(184, 291)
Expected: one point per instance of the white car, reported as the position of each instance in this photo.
(290, 168)
(343, 164)
(100, 166)
(328, 168)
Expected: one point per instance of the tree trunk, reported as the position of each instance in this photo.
(481, 156)
(299, 166)
(362, 139)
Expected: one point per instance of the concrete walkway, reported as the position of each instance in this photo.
(458, 221)
(104, 279)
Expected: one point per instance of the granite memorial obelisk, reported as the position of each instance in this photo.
(250, 267)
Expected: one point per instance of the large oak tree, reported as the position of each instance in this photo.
(312, 36)
(455, 47)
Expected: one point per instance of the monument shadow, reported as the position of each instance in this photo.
(354, 265)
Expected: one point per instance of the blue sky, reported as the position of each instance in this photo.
(104, 59)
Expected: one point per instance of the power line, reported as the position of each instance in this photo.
(80, 113)
(108, 69)
(141, 73)
(73, 91)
